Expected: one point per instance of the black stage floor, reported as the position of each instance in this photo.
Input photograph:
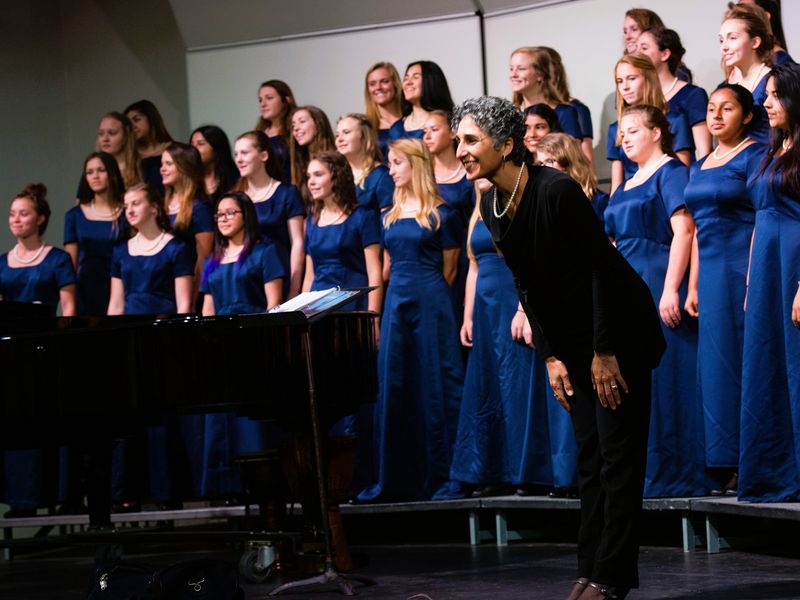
(458, 571)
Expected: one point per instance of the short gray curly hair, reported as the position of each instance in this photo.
(499, 118)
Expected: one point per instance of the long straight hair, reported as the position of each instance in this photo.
(369, 145)
(396, 105)
(786, 79)
(567, 152)
(422, 186)
(190, 184)
(543, 65)
(651, 87)
(252, 232)
(133, 162)
(289, 106)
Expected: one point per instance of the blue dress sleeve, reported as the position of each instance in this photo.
(369, 228)
(613, 152)
(568, 119)
(204, 289)
(671, 184)
(293, 204)
(71, 226)
(609, 224)
(696, 105)
(385, 190)
(681, 132)
(64, 271)
(599, 203)
(202, 217)
(183, 259)
(116, 259)
(271, 265)
(450, 227)
(584, 118)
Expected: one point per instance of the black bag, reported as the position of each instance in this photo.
(203, 579)
(121, 581)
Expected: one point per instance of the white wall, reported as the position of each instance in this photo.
(327, 71)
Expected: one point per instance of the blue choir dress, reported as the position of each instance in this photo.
(769, 458)
(420, 369)
(460, 196)
(398, 131)
(584, 118)
(384, 138)
(337, 252)
(27, 484)
(95, 240)
(569, 120)
(151, 172)
(639, 221)
(759, 130)
(724, 215)
(502, 432)
(212, 441)
(377, 189)
(281, 150)
(682, 140)
(202, 221)
(690, 101)
(273, 219)
(599, 204)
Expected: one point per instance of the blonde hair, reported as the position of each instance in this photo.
(369, 145)
(132, 174)
(370, 107)
(543, 65)
(756, 24)
(423, 185)
(651, 87)
(567, 152)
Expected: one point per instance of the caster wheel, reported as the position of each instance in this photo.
(251, 570)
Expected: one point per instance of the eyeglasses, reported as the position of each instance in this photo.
(228, 214)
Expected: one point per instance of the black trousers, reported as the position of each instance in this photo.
(612, 455)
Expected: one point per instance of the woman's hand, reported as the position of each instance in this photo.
(518, 326)
(796, 307)
(670, 308)
(466, 334)
(691, 306)
(607, 380)
(559, 381)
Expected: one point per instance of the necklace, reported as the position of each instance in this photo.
(110, 215)
(456, 174)
(510, 199)
(137, 241)
(323, 213)
(227, 254)
(671, 87)
(786, 144)
(27, 261)
(752, 85)
(268, 189)
(408, 210)
(637, 179)
(731, 151)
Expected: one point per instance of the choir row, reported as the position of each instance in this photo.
(431, 430)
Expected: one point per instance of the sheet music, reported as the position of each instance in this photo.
(301, 301)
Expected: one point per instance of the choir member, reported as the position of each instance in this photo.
(276, 104)
(768, 470)
(560, 82)
(647, 219)
(311, 133)
(664, 48)
(773, 11)
(92, 228)
(636, 21)
(115, 136)
(637, 83)
(716, 196)
(746, 42)
(561, 152)
(424, 89)
(593, 321)
(420, 369)
(383, 101)
(502, 436)
(540, 120)
(278, 204)
(342, 237)
(530, 73)
(357, 142)
(151, 273)
(151, 136)
(219, 171)
(33, 272)
(184, 201)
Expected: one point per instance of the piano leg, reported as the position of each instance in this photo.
(329, 575)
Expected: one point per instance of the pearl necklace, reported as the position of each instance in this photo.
(226, 254)
(637, 179)
(456, 174)
(333, 222)
(727, 152)
(755, 81)
(137, 241)
(786, 144)
(408, 210)
(27, 261)
(268, 189)
(671, 87)
(110, 215)
(510, 199)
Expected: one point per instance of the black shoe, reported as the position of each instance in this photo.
(498, 489)
(563, 492)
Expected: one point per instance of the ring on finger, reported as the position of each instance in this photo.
(614, 387)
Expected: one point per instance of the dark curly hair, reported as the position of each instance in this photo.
(343, 186)
(499, 118)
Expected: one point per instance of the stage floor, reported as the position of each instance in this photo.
(461, 572)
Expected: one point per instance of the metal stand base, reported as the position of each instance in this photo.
(328, 576)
